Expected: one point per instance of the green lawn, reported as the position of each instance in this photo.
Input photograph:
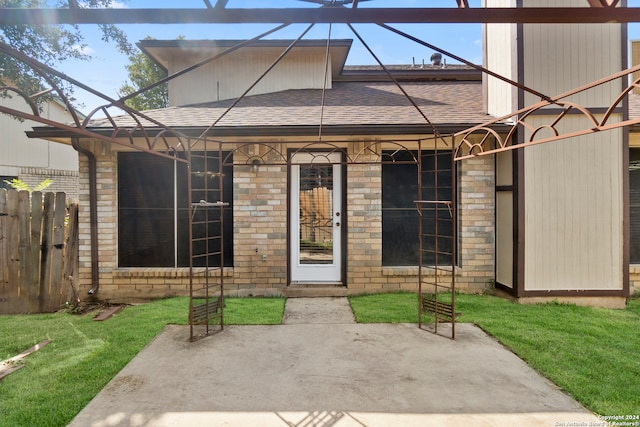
(59, 380)
(592, 353)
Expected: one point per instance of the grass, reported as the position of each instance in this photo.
(59, 380)
(592, 353)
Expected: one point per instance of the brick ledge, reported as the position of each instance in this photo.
(413, 271)
(169, 272)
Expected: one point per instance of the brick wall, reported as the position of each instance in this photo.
(634, 279)
(260, 226)
(476, 219)
(260, 232)
(62, 180)
(84, 240)
(364, 224)
(122, 284)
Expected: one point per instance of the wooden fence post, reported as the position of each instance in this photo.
(38, 255)
(56, 295)
(4, 252)
(27, 291)
(33, 261)
(47, 243)
(70, 276)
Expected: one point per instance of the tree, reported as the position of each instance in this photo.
(49, 44)
(143, 71)
(18, 184)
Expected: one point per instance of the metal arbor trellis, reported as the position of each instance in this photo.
(206, 202)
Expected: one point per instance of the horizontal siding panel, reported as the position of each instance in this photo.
(16, 150)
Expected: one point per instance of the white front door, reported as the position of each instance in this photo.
(316, 217)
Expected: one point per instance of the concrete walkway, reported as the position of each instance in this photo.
(326, 370)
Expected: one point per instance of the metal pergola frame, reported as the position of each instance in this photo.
(169, 142)
(594, 11)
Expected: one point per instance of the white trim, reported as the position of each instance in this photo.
(316, 273)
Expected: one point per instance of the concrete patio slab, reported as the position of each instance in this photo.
(329, 375)
(334, 310)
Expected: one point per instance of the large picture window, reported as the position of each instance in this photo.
(153, 221)
(400, 240)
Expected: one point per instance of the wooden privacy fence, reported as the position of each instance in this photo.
(38, 252)
(316, 215)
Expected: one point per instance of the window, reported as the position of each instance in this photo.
(634, 205)
(400, 241)
(153, 211)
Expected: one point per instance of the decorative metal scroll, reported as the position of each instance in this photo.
(274, 154)
(119, 134)
(484, 140)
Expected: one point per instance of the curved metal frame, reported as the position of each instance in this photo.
(170, 143)
(492, 142)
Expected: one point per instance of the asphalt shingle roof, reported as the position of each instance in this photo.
(346, 104)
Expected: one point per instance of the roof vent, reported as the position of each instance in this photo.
(436, 59)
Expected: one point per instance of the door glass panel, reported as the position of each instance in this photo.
(316, 214)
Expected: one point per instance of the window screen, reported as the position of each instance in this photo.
(148, 188)
(400, 240)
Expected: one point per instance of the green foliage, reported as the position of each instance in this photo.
(589, 352)
(83, 356)
(254, 311)
(385, 308)
(49, 44)
(20, 185)
(143, 72)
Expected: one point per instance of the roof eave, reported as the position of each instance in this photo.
(280, 131)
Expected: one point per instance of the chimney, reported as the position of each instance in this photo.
(436, 59)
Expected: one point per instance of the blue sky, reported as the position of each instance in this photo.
(106, 72)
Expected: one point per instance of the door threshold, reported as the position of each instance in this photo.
(314, 291)
(300, 284)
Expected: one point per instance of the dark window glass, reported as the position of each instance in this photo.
(400, 240)
(205, 184)
(634, 205)
(147, 211)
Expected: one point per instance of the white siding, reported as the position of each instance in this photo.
(561, 57)
(230, 76)
(501, 58)
(504, 219)
(16, 150)
(573, 188)
(574, 211)
(504, 238)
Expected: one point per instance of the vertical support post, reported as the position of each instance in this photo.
(206, 237)
(419, 208)
(434, 237)
(190, 228)
(454, 233)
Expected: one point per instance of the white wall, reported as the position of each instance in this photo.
(229, 77)
(17, 151)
